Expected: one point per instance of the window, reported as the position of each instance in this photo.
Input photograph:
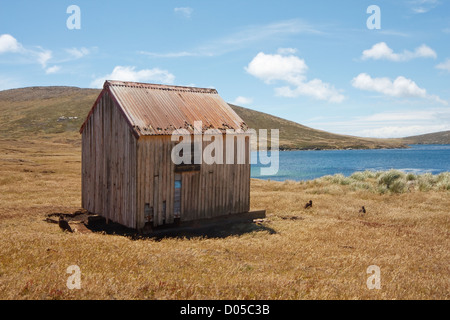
(191, 166)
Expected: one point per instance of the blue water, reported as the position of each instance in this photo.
(307, 165)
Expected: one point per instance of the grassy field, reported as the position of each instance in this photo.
(319, 253)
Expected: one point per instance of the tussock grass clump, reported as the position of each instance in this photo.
(361, 185)
(426, 182)
(392, 181)
(364, 175)
(336, 179)
(388, 178)
(361, 180)
(443, 181)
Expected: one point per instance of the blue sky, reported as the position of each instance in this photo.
(313, 62)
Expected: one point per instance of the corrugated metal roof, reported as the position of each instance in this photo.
(154, 109)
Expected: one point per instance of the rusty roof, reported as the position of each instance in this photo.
(155, 109)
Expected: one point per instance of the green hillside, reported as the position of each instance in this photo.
(36, 110)
(297, 136)
(442, 137)
(61, 110)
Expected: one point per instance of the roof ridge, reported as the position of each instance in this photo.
(131, 84)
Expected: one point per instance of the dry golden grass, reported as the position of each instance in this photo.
(320, 253)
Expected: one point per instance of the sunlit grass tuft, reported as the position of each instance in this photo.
(392, 181)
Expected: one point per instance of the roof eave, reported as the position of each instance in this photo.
(106, 88)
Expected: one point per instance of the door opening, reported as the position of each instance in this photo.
(177, 199)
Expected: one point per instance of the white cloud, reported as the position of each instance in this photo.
(401, 131)
(53, 69)
(401, 116)
(76, 53)
(184, 11)
(315, 88)
(43, 57)
(291, 69)
(401, 87)
(9, 44)
(272, 67)
(444, 65)
(242, 38)
(242, 101)
(37, 54)
(170, 54)
(393, 124)
(404, 123)
(381, 51)
(287, 51)
(423, 6)
(254, 34)
(131, 74)
(424, 52)
(420, 10)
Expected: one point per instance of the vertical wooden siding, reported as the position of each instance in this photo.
(215, 190)
(109, 164)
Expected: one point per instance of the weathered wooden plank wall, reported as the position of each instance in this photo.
(109, 164)
(215, 190)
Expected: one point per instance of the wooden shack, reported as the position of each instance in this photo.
(128, 175)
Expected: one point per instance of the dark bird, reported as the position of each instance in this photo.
(308, 205)
(64, 225)
(362, 210)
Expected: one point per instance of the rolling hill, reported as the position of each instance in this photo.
(297, 136)
(49, 111)
(442, 137)
(36, 110)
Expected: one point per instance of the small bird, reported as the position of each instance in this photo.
(362, 210)
(64, 225)
(308, 205)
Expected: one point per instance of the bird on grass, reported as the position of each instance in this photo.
(64, 225)
(308, 205)
(362, 211)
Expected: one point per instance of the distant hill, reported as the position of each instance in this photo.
(297, 136)
(56, 110)
(36, 110)
(442, 137)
